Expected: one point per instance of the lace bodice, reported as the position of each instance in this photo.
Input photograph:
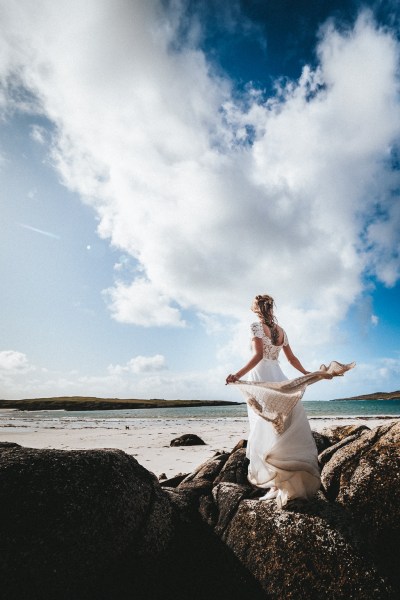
(270, 351)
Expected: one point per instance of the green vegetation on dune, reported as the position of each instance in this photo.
(93, 403)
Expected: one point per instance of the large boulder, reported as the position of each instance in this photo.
(325, 548)
(91, 525)
(227, 497)
(68, 516)
(305, 552)
(327, 454)
(95, 525)
(321, 441)
(187, 439)
(364, 478)
(337, 433)
(235, 469)
(201, 481)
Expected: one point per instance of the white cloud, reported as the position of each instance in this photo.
(378, 376)
(13, 362)
(141, 303)
(148, 377)
(374, 320)
(153, 140)
(140, 364)
(140, 377)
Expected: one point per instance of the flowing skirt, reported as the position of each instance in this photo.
(287, 460)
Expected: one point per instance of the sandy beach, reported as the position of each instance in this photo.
(148, 440)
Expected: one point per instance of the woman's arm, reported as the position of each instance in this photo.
(257, 356)
(294, 361)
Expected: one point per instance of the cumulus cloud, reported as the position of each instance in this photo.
(141, 303)
(13, 362)
(140, 364)
(148, 376)
(150, 136)
(140, 377)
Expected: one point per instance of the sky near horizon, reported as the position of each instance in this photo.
(164, 161)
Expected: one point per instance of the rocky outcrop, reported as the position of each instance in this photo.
(302, 553)
(363, 477)
(188, 439)
(343, 544)
(67, 516)
(340, 432)
(94, 525)
(321, 441)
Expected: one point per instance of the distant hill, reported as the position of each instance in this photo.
(89, 403)
(375, 396)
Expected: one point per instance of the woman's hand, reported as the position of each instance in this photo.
(231, 379)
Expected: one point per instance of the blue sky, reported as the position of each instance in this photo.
(163, 162)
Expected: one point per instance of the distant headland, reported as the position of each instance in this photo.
(89, 403)
(375, 396)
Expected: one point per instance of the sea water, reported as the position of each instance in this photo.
(112, 418)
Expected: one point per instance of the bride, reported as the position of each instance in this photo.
(281, 449)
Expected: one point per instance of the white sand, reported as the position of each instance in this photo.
(147, 439)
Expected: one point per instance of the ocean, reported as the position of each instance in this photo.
(113, 418)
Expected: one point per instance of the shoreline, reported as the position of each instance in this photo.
(148, 439)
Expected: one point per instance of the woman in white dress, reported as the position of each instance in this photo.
(282, 452)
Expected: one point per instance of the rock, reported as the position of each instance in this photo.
(188, 439)
(239, 445)
(322, 538)
(207, 510)
(162, 476)
(8, 445)
(327, 454)
(337, 437)
(102, 517)
(321, 441)
(200, 566)
(195, 487)
(209, 469)
(338, 433)
(173, 481)
(235, 469)
(201, 481)
(302, 555)
(68, 517)
(364, 478)
(227, 497)
(359, 456)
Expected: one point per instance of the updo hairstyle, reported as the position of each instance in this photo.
(263, 306)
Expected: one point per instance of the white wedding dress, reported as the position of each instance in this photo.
(280, 447)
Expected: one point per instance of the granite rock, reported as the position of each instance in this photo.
(321, 441)
(234, 469)
(364, 478)
(188, 439)
(302, 554)
(91, 525)
(339, 432)
(67, 516)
